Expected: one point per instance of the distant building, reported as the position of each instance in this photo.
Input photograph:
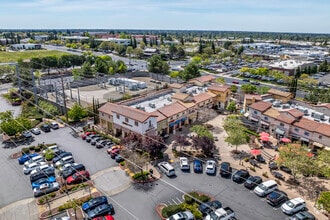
(74, 38)
(119, 41)
(41, 37)
(148, 52)
(203, 80)
(25, 46)
(289, 67)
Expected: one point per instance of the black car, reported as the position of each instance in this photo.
(252, 182)
(100, 211)
(72, 170)
(45, 127)
(304, 215)
(272, 166)
(286, 169)
(260, 159)
(90, 137)
(60, 156)
(207, 207)
(42, 174)
(225, 169)
(240, 176)
(277, 197)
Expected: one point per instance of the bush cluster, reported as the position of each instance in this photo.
(140, 176)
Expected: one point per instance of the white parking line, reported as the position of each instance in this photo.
(169, 202)
(178, 200)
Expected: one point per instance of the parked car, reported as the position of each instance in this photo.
(184, 164)
(53, 148)
(278, 175)
(29, 167)
(293, 206)
(45, 127)
(65, 167)
(34, 160)
(186, 215)
(198, 166)
(252, 182)
(166, 168)
(64, 160)
(114, 152)
(42, 168)
(42, 174)
(62, 155)
(265, 188)
(286, 169)
(45, 188)
(50, 179)
(86, 134)
(119, 158)
(113, 147)
(225, 169)
(207, 207)
(255, 83)
(26, 157)
(54, 125)
(105, 217)
(78, 177)
(210, 168)
(102, 143)
(277, 197)
(26, 134)
(222, 213)
(235, 82)
(260, 159)
(304, 215)
(101, 210)
(241, 176)
(92, 136)
(72, 170)
(245, 80)
(272, 166)
(95, 140)
(35, 131)
(94, 202)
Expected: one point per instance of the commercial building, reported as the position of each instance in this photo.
(289, 67)
(25, 46)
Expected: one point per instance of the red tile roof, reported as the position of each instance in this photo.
(279, 93)
(261, 106)
(172, 109)
(313, 126)
(285, 119)
(203, 97)
(218, 88)
(126, 111)
(295, 113)
(250, 96)
(160, 117)
(205, 78)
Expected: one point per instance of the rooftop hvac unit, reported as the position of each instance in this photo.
(286, 106)
(169, 99)
(152, 105)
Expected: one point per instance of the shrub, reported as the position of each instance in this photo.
(171, 209)
(37, 148)
(31, 148)
(265, 174)
(197, 213)
(41, 200)
(122, 163)
(52, 195)
(138, 176)
(278, 182)
(253, 169)
(201, 197)
(246, 159)
(25, 150)
(188, 199)
(49, 155)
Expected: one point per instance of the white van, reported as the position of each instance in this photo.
(166, 168)
(265, 188)
(34, 160)
(64, 160)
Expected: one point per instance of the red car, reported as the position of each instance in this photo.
(235, 82)
(114, 152)
(78, 177)
(87, 134)
(107, 217)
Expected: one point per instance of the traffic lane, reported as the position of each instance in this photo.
(244, 202)
(94, 159)
(14, 184)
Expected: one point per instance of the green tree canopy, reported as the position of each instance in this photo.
(77, 112)
(201, 131)
(231, 107)
(157, 65)
(13, 126)
(248, 88)
(190, 71)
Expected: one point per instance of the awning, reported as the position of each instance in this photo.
(183, 119)
(264, 123)
(317, 144)
(254, 119)
(304, 139)
(279, 131)
(171, 124)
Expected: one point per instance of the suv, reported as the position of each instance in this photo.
(92, 136)
(184, 163)
(277, 198)
(54, 125)
(198, 166)
(225, 169)
(211, 168)
(45, 127)
(304, 215)
(240, 176)
(293, 205)
(72, 170)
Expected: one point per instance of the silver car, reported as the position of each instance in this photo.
(45, 188)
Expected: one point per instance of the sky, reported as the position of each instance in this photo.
(306, 16)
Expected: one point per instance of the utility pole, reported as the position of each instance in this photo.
(19, 81)
(78, 96)
(64, 99)
(34, 88)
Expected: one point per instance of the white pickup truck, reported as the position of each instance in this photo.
(221, 214)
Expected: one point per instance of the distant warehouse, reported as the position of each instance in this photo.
(289, 67)
(25, 46)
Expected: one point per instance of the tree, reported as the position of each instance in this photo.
(129, 51)
(201, 131)
(248, 88)
(233, 88)
(13, 126)
(323, 163)
(235, 130)
(49, 109)
(157, 65)
(121, 66)
(262, 90)
(213, 46)
(87, 70)
(172, 50)
(101, 66)
(138, 52)
(220, 80)
(190, 71)
(76, 73)
(77, 112)
(296, 158)
(206, 144)
(227, 44)
(231, 107)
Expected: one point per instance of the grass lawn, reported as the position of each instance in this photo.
(14, 56)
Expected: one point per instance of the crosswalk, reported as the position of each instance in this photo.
(174, 201)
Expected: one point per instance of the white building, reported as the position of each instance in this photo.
(289, 66)
(25, 46)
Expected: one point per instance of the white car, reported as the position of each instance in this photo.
(35, 160)
(293, 205)
(187, 215)
(67, 165)
(29, 167)
(184, 163)
(41, 168)
(210, 167)
(36, 131)
(54, 147)
(64, 160)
